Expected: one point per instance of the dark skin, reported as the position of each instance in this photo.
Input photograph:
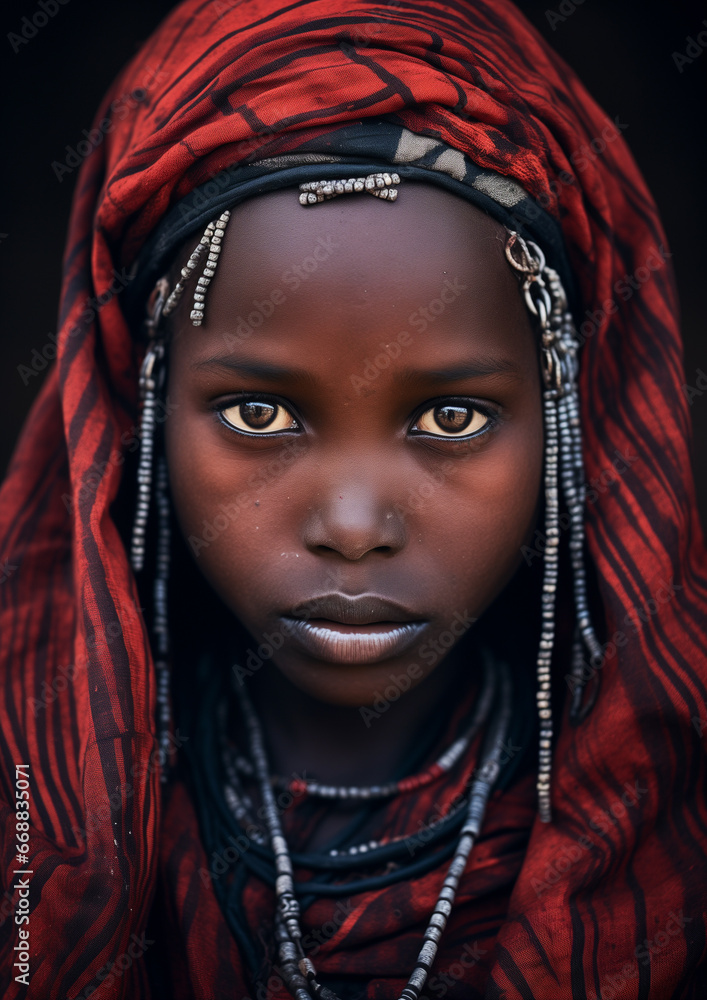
(418, 484)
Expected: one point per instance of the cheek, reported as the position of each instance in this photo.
(224, 502)
(489, 509)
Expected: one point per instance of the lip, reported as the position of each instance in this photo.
(364, 629)
(337, 643)
(366, 609)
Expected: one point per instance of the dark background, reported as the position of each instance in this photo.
(621, 49)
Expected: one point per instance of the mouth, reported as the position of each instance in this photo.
(365, 629)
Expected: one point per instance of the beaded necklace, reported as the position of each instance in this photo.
(445, 762)
(297, 969)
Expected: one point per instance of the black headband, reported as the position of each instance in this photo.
(370, 146)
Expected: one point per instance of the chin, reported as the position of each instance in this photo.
(354, 685)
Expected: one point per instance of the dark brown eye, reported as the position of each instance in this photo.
(254, 415)
(452, 420)
(257, 415)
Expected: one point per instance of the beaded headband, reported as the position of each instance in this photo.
(547, 302)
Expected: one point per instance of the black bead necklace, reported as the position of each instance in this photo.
(298, 970)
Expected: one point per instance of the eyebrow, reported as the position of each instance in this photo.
(251, 369)
(482, 367)
(485, 367)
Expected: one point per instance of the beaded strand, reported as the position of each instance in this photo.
(160, 624)
(380, 184)
(445, 762)
(545, 298)
(204, 280)
(298, 970)
(150, 381)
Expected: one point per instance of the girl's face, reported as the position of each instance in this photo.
(355, 442)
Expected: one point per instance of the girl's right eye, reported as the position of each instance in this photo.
(258, 416)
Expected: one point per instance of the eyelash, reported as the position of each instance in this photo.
(256, 397)
(484, 408)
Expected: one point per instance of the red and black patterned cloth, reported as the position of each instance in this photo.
(607, 901)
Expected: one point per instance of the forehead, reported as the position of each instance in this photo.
(354, 262)
(425, 224)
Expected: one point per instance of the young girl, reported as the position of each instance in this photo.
(312, 687)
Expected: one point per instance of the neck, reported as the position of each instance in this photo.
(340, 745)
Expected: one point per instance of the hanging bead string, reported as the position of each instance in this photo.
(480, 793)
(287, 905)
(152, 374)
(547, 636)
(585, 642)
(370, 846)
(444, 763)
(545, 298)
(151, 378)
(211, 240)
(204, 280)
(160, 625)
(189, 269)
(298, 970)
(381, 185)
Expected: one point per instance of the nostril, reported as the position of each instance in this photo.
(352, 552)
(353, 528)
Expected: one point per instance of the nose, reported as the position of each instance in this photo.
(354, 518)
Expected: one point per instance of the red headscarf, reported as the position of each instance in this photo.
(610, 899)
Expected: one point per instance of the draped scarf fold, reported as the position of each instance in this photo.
(610, 899)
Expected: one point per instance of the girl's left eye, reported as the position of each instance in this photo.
(258, 416)
(452, 420)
